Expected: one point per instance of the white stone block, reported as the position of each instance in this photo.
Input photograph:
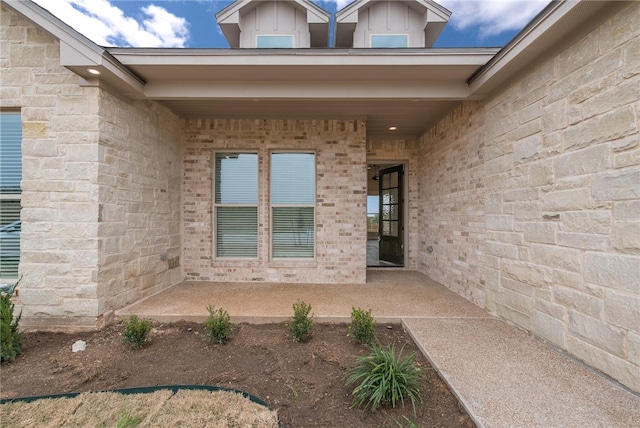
(580, 301)
(549, 328)
(587, 161)
(626, 236)
(612, 270)
(623, 310)
(598, 333)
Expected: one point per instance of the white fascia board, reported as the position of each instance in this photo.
(291, 90)
(315, 14)
(346, 13)
(77, 53)
(530, 43)
(302, 57)
(435, 8)
(228, 12)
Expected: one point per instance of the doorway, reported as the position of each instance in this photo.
(385, 215)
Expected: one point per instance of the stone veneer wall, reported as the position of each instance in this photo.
(60, 124)
(139, 212)
(402, 151)
(100, 189)
(340, 193)
(557, 151)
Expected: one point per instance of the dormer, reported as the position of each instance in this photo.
(390, 24)
(275, 24)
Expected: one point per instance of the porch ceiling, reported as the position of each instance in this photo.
(410, 90)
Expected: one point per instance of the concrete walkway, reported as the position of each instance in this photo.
(503, 376)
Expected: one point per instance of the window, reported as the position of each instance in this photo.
(389, 41)
(10, 177)
(236, 205)
(271, 42)
(293, 197)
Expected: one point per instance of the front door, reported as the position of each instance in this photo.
(391, 232)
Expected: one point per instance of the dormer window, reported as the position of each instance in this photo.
(275, 24)
(274, 41)
(389, 24)
(389, 40)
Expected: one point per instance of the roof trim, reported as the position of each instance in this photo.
(77, 52)
(557, 23)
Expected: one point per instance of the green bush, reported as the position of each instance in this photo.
(362, 326)
(301, 323)
(385, 378)
(10, 337)
(136, 331)
(218, 325)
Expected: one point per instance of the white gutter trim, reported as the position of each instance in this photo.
(76, 51)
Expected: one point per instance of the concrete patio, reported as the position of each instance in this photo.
(503, 376)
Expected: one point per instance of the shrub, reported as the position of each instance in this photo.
(385, 378)
(218, 325)
(301, 323)
(362, 326)
(136, 331)
(10, 337)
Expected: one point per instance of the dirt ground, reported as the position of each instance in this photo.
(304, 382)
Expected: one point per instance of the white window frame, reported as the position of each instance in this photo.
(314, 205)
(371, 36)
(217, 205)
(280, 36)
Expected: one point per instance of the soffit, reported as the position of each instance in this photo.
(410, 89)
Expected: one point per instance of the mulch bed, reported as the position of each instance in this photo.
(304, 382)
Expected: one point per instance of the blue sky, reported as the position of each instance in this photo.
(192, 24)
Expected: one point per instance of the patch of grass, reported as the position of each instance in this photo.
(128, 420)
(301, 323)
(136, 331)
(362, 326)
(218, 326)
(385, 378)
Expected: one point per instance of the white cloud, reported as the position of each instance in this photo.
(107, 25)
(492, 17)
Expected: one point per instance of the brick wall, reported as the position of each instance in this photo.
(559, 161)
(340, 193)
(452, 199)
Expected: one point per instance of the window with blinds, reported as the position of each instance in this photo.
(293, 197)
(10, 177)
(236, 205)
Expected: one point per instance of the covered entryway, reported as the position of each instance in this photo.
(385, 215)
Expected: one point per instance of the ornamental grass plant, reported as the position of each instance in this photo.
(385, 378)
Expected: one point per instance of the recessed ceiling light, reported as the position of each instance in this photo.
(93, 71)
(393, 128)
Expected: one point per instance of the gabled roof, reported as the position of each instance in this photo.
(317, 18)
(435, 18)
(409, 88)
